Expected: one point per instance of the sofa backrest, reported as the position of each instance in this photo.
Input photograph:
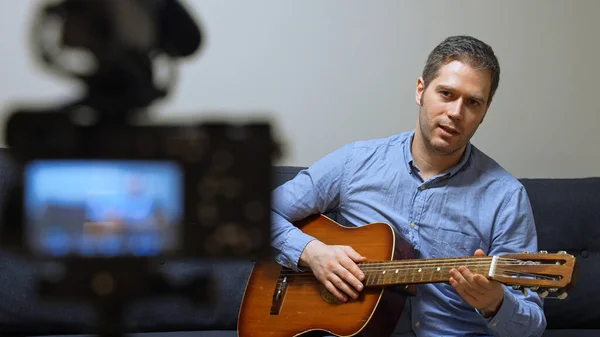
(567, 216)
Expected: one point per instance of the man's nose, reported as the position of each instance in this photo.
(455, 109)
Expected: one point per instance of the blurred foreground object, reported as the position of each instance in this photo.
(202, 190)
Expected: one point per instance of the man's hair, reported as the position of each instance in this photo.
(466, 49)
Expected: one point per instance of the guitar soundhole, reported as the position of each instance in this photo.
(327, 296)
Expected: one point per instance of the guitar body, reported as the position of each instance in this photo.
(281, 303)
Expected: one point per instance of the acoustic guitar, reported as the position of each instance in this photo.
(279, 302)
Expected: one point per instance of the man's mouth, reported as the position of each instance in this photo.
(449, 129)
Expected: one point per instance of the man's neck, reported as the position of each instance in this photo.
(428, 161)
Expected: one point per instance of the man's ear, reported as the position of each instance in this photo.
(420, 89)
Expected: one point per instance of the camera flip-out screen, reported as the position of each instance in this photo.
(89, 208)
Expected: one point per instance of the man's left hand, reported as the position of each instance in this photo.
(480, 292)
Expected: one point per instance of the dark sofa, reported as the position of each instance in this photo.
(567, 213)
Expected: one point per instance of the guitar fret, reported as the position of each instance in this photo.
(368, 278)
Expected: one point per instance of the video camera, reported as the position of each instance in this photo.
(105, 195)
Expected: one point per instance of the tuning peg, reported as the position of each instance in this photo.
(562, 295)
(561, 252)
(543, 294)
(553, 290)
(543, 252)
(525, 252)
(536, 288)
(523, 289)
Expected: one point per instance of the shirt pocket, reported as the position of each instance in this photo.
(452, 243)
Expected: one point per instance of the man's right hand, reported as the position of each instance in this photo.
(335, 267)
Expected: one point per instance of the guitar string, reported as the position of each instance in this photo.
(311, 279)
(536, 276)
(435, 262)
(438, 260)
(500, 271)
(430, 261)
(402, 271)
(367, 267)
(409, 269)
(424, 281)
(482, 269)
(395, 265)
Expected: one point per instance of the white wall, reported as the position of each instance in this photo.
(331, 72)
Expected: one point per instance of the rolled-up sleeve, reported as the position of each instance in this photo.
(314, 190)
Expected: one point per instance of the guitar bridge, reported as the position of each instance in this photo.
(280, 290)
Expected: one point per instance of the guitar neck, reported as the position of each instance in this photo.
(385, 273)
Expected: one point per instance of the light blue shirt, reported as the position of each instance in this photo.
(475, 204)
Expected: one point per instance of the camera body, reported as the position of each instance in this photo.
(103, 206)
(109, 190)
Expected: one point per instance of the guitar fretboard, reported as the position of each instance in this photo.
(420, 271)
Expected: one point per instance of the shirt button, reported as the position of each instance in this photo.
(418, 324)
(422, 187)
(495, 324)
(412, 225)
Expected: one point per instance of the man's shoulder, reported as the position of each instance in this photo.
(491, 170)
(382, 143)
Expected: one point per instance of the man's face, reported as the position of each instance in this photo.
(452, 107)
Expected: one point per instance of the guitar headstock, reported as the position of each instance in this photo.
(547, 274)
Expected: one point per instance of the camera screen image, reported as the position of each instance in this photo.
(88, 208)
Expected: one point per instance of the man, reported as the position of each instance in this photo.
(126, 223)
(436, 189)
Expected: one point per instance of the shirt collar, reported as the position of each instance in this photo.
(410, 164)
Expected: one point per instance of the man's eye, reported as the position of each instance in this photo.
(473, 102)
(445, 93)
